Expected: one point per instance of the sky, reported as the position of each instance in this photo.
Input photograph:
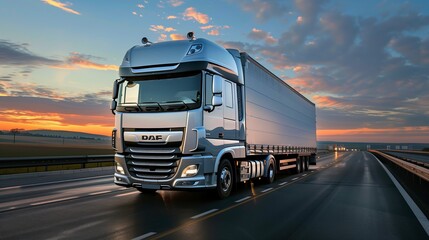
(365, 64)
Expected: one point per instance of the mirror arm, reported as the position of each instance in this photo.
(209, 108)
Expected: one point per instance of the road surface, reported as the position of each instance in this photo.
(346, 196)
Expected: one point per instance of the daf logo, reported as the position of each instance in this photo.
(152, 137)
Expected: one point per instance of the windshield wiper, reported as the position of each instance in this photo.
(132, 108)
(151, 106)
(176, 105)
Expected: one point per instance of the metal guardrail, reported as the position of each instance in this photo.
(411, 167)
(410, 160)
(40, 164)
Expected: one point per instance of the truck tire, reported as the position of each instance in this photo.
(146, 191)
(298, 165)
(306, 163)
(271, 174)
(225, 179)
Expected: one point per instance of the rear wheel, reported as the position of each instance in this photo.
(224, 179)
(306, 163)
(298, 165)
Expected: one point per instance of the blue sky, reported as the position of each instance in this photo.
(364, 63)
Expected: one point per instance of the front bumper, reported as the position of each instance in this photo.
(205, 177)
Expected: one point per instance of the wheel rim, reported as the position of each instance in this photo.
(225, 179)
(271, 172)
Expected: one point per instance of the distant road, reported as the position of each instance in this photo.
(347, 196)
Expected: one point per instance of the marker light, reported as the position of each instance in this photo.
(194, 49)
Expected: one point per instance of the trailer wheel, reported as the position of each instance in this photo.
(306, 163)
(225, 179)
(146, 191)
(271, 172)
(298, 165)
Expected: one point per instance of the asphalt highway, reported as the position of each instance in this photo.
(346, 196)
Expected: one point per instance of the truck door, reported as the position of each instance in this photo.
(229, 109)
(213, 121)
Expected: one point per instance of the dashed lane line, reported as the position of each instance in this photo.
(126, 194)
(53, 201)
(242, 199)
(204, 213)
(144, 236)
(266, 190)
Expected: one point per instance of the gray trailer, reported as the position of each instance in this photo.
(190, 114)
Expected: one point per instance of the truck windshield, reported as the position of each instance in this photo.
(161, 93)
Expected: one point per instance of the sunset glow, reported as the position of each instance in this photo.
(365, 70)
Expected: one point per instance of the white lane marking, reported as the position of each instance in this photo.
(66, 234)
(146, 235)
(126, 194)
(53, 182)
(416, 210)
(242, 199)
(304, 175)
(266, 190)
(312, 171)
(283, 183)
(52, 201)
(98, 193)
(293, 179)
(9, 188)
(204, 213)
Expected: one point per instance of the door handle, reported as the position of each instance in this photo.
(220, 135)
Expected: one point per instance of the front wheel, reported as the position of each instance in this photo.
(271, 172)
(224, 179)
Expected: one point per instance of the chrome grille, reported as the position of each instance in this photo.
(152, 163)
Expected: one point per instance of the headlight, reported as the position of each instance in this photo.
(190, 171)
(119, 168)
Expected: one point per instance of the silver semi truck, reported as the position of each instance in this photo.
(191, 114)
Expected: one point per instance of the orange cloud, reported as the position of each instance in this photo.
(397, 134)
(162, 37)
(77, 60)
(213, 32)
(206, 27)
(258, 34)
(329, 102)
(191, 13)
(156, 28)
(30, 120)
(62, 6)
(175, 36)
(175, 3)
(171, 17)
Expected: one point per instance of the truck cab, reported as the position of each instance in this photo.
(176, 107)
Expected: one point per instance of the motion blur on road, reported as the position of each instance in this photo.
(345, 196)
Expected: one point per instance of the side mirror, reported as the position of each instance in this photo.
(113, 106)
(217, 84)
(216, 101)
(115, 89)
